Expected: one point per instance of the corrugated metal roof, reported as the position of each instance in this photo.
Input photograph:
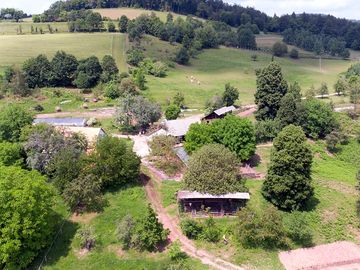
(184, 194)
(91, 134)
(224, 110)
(68, 121)
(182, 154)
(180, 127)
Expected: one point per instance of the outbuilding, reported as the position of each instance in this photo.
(218, 114)
(62, 122)
(204, 204)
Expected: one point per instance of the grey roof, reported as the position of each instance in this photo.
(224, 110)
(182, 154)
(184, 194)
(180, 127)
(68, 121)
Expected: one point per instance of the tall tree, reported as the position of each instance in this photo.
(246, 39)
(37, 71)
(230, 95)
(63, 67)
(123, 23)
(270, 88)
(109, 69)
(288, 182)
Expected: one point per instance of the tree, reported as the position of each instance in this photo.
(294, 53)
(128, 87)
(198, 135)
(110, 70)
(135, 113)
(139, 78)
(216, 102)
(112, 90)
(246, 39)
(279, 49)
(207, 36)
(288, 182)
(179, 100)
(123, 23)
(111, 27)
(317, 119)
(83, 194)
(134, 57)
(260, 230)
(270, 88)
(63, 68)
(182, 56)
(310, 93)
(124, 231)
(230, 95)
(37, 71)
(323, 90)
(266, 130)
(86, 237)
(13, 118)
(26, 216)
(88, 73)
(213, 169)
(341, 86)
(11, 154)
(290, 108)
(236, 134)
(115, 163)
(354, 94)
(172, 112)
(18, 85)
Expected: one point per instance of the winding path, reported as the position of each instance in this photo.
(171, 223)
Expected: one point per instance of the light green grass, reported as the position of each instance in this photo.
(13, 28)
(216, 67)
(20, 48)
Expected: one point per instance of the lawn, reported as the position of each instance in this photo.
(213, 68)
(108, 253)
(18, 48)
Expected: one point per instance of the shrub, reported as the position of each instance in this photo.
(172, 112)
(175, 252)
(182, 56)
(191, 228)
(294, 53)
(112, 90)
(280, 49)
(11, 154)
(210, 232)
(87, 237)
(267, 130)
(124, 231)
(134, 57)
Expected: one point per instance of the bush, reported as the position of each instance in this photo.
(175, 252)
(334, 139)
(87, 237)
(182, 56)
(266, 130)
(112, 90)
(124, 231)
(191, 228)
(172, 112)
(210, 232)
(11, 154)
(134, 57)
(294, 53)
(280, 49)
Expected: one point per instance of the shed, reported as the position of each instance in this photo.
(58, 122)
(91, 134)
(203, 204)
(219, 113)
(178, 128)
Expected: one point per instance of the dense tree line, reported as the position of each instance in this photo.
(12, 14)
(300, 29)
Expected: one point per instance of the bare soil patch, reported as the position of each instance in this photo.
(82, 253)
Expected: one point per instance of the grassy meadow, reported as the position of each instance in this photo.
(18, 28)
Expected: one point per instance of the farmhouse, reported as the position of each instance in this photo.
(59, 122)
(219, 113)
(200, 204)
(91, 134)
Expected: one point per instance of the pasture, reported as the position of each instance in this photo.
(13, 28)
(18, 48)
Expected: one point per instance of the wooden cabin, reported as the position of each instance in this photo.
(218, 114)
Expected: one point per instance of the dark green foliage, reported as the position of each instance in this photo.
(84, 21)
(138, 77)
(88, 73)
(354, 92)
(323, 90)
(270, 88)
(230, 95)
(237, 134)
(341, 86)
(175, 252)
(134, 57)
(318, 119)
(37, 71)
(191, 228)
(207, 37)
(110, 70)
(83, 194)
(172, 112)
(279, 49)
(123, 23)
(11, 154)
(135, 113)
(354, 70)
(297, 227)
(146, 233)
(246, 39)
(112, 90)
(63, 67)
(8, 73)
(111, 27)
(335, 138)
(267, 130)
(115, 163)
(182, 56)
(264, 229)
(213, 169)
(13, 118)
(26, 216)
(291, 108)
(294, 53)
(288, 182)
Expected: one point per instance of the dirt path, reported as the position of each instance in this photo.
(249, 110)
(99, 113)
(172, 223)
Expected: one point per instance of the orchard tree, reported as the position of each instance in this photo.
(109, 69)
(279, 49)
(123, 23)
(179, 100)
(230, 95)
(26, 216)
(198, 135)
(172, 112)
(213, 169)
(17, 85)
(246, 39)
(135, 113)
(323, 90)
(63, 67)
(13, 118)
(290, 107)
(288, 181)
(271, 87)
(341, 86)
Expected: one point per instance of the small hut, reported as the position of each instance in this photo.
(218, 114)
(204, 204)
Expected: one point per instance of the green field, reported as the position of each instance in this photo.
(18, 48)
(13, 28)
(216, 67)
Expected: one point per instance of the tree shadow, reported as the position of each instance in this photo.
(254, 160)
(60, 247)
(311, 204)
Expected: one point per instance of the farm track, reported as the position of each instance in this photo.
(118, 51)
(172, 223)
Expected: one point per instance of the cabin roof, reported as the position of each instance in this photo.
(67, 121)
(91, 134)
(180, 127)
(224, 110)
(184, 194)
